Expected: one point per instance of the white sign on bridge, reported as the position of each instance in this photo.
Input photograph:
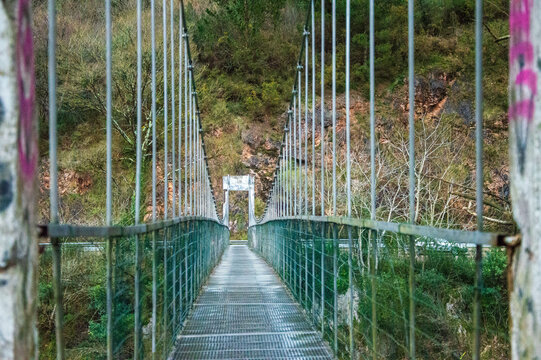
(237, 183)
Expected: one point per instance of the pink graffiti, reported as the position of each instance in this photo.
(28, 150)
(523, 75)
(523, 109)
(524, 49)
(520, 20)
(527, 78)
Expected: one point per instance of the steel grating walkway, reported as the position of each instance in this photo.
(244, 312)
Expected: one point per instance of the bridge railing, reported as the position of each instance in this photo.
(118, 292)
(355, 280)
(391, 289)
(126, 290)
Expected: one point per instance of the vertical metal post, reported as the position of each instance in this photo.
(173, 116)
(373, 272)
(186, 266)
(295, 212)
(137, 310)
(305, 247)
(479, 174)
(411, 85)
(372, 118)
(189, 141)
(53, 183)
(287, 167)
(180, 280)
(108, 186)
(165, 284)
(109, 105)
(166, 181)
(372, 234)
(313, 30)
(165, 109)
(154, 163)
(59, 303)
(180, 96)
(313, 242)
(348, 177)
(322, 99)
(199, 167)
(195, 167)
(351, 294)
(322, 277)
(109, 259)
(284, 258)
(298, 254)
(334, 107)
(154, 293)
(285, 171)
(53, 140)
(174, 274)
(186, 122)
(335, 287)
(282, 187)
(193, 153)
(299, 70)
(307, 33)
(348, 131)
(290, 152)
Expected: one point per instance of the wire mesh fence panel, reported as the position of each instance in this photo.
(155, 275)
(364, 288)
(83, 268)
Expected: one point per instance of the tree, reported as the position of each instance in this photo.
(525, 152)
(18, 173)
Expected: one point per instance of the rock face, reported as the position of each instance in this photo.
(259, 156)
(252, 138)
(343, 306)
(440, 93)
(460, 102)
(430, 92)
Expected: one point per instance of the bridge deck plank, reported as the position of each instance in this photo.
(245, 312)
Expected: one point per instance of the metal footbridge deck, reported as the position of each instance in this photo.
(244, 312)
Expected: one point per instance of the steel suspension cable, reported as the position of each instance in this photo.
(165, 110)
(295, 150)
(322, 100)
(479, 175)
(137, 317)
(53, 180)
(173, 115)
(411, 86)
(299, 124)
(348, 178)
(180, 97)
(322, 145)
(306, 34)
(313, 31)
(109, 174)
(335, 260)
(334, 107)
(186, 121)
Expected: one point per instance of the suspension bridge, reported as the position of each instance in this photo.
(316, 280)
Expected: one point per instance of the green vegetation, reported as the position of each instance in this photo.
(245, 52)
(444, 289)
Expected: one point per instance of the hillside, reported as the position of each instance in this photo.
(245, 58)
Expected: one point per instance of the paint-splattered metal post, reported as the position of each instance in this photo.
(18, 170)
(525, 152)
